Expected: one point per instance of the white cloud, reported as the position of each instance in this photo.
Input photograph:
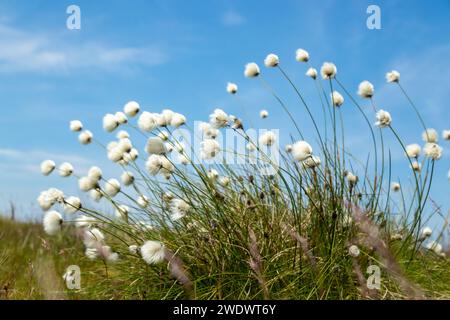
(22, 51)
(232, 18)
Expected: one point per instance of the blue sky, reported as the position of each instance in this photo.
(181, 54)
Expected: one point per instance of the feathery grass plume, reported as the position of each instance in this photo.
(178, 271)
(371, 237)
(255, 263)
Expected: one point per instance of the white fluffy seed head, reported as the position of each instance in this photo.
(122, 212)
(115, 154)
(153, 252)
(446, 134)
(263, 114)
(251, 70)
(47, 167)
(147, 121)
(415, 166)
(426, 232)
(434, 246)
(383, 119)
(430, 135)
(84, 221)
(393, 76)
(268, 138)
(121, 117)
(183, 159)
(218, 119)
(232, 88)
(337, 99)
(311, 72)
(288, 148)
(433, 151)
(271, 60)
(75, 125)
(133, 249)
(143, 201)
(365, 89)
(209, 148)
(95, 173)
(65, 169)
(110, 122)
(131, 108)
(413, 150)
(86, 184)
(112, 187)
(311, 162)
(154, 164)
(177, 120)
(301, 150)
(155, 146)
(212, 174)
(93, 237)
(395, 186)
(301, 55)
(95, 194)
(127, 178)
(52, 222)
(353, 250)
(72, 204)
(179, 208)
(351, 178)
(328, 70)
(224, 181)
(85, 137)
(165, 117)
(122, 134)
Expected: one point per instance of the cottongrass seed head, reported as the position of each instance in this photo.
(271, 60)
(365, 89)
(75, 125)
(251, 70)
(393, 76)
(153, 252)
(301, 55)
(328, 70)
(52, 222)
(383, 119)
(433, 151)
(312, 73)
(430, 135)
(232, 88)
(47, 167)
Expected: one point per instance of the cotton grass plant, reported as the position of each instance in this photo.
(276, 222)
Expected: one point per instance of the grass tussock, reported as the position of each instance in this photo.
(312, 222)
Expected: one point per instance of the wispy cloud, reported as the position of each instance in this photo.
(29, 52)
(232, 19)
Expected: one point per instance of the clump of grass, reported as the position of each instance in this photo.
(267, 224)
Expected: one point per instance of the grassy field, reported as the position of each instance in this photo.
(32, 267)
